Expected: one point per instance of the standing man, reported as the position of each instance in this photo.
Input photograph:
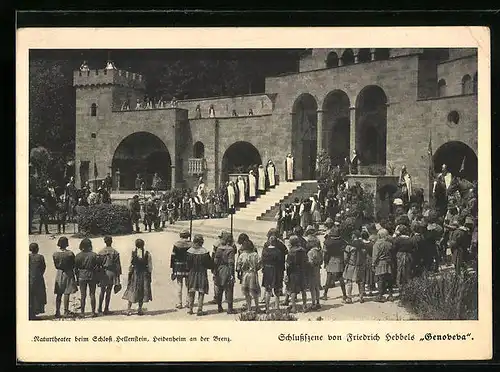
(405, 185)
(440, 190)
(289, 168)
(224, 268)
(108, 183)
(135, 212)
(138, 183)
(178, 264)
(156, 183)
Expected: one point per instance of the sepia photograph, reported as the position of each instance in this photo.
(317, 184)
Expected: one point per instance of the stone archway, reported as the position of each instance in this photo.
(459, 158)
(240, 157)
(304, 136)
(336, 126)
(145, 154)
(371, 128)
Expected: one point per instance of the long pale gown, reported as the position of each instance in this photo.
(241, 191)
(262, 179)
(289, 168)
(230, 196)
(252, 186)
(271, 173)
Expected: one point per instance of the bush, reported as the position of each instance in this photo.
(277, 315)
(446, 296)
(104, 219)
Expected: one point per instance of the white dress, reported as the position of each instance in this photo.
(289, 168)
(230, 196)
(200, 192)
(252, 186)
(241, 191)
(262, 179)
(272, 175)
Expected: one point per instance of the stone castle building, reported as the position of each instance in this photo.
(386, 103)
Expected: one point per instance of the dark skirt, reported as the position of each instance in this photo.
(270, 278)
(37, 297)
(65, 283)
(296, 282)
(197, 281)
(138, 287)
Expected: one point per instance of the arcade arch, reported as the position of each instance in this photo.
(304, 139)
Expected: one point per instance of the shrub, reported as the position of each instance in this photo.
(104, 219)
(446, 296)
(277, 315)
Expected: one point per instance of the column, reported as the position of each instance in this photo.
(319, 133)
(352, 126)
(172, 176)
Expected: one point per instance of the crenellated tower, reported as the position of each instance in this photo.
(99, 92)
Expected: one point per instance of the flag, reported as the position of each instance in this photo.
(462, 167)
(95, 170)
(431, 166)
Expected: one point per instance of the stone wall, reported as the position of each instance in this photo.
(260, 104)
(453, 72)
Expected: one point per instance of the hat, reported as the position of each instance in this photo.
(309, 229)
(398, 201)
(185, 234)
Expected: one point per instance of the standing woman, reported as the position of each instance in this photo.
(139, 278)
(271, 174)
(261, 179)
(252, 185)
(37, 291)
(272, 271)
(315, 212)
(86, 270)
(65, 283)
(198, 262)
(248, 265)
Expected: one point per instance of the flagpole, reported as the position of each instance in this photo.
(431, 168)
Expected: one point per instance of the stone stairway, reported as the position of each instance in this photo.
(264, 202)
(305, 190)
(265, 207)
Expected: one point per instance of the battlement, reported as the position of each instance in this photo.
(108, 77)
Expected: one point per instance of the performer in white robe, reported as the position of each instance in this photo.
(271, 174)
(231, 195)
(289, 168)
(405, 183)
(262, 179)
(201, 197)
(241, 191)
(252, 185)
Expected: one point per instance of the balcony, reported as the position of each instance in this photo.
(196, 166)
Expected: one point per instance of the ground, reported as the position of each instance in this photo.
(164, 289)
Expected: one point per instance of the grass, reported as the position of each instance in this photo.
(445, 296)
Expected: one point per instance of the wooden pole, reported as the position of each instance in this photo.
(232, 212)
(190, 223)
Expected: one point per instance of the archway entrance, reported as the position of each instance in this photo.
(145, 154)
(336, 126)
(304, 140)
(240, 157)
(371, 129)
(459, 158)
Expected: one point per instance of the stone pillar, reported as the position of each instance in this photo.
(319, 133)
(172, 176)
(352, 126)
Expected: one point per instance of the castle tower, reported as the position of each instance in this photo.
(99, 93)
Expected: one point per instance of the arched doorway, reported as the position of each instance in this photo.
(364, 55)
(347, 57)
(371, 128)
(332, 60)
(304, 138)
(145, 154)
(336, 126)
(199, 150)
(459, 158)
(240, 157)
